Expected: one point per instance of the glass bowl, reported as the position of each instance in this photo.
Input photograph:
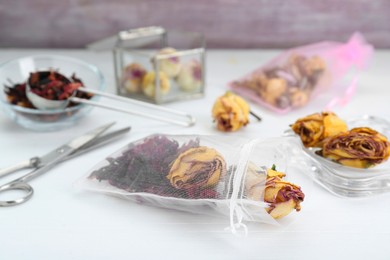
(18, 71)
(347, 181)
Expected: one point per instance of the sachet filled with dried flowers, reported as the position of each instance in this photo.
(221, 175)
(298, 75)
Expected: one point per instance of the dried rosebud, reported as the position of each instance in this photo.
(171, 65)
(306, 70)
(257, 81)
(283, 74)
(148, 84)
(360, 147)
(314, 65)
(275, 88)
(282, 196)
(231, 112)
(132, 77)
(190, 76)
(283, 102)
(298, 98)
(313, 129)
(295, 66)
(268, 185)
(197, 167)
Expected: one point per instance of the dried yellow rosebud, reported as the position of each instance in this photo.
(197, 167)
(299, 98)
(149, 80)
(273, 91)
(273, 173)
(282, 196)
(360, 147)
(313, 129)
(170, 66)
(231, 112)
(132, 77)
(314, 65)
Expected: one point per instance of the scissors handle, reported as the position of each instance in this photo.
(23, 186)
(31, 163)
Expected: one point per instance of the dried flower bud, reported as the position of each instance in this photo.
(313, 65)
(170, 66)
(148, 84)
(286, 83)
(295, 66)
(275, 88)
(231, 112)
(283, 102)
(360, 147)
(257, 82)
(299, 98)
(132, 77)
(313, 129)
(286, 76)
(190, 76)
(283, 197)
(269, 186)
(197, 167)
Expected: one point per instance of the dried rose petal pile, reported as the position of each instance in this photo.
(47, 84)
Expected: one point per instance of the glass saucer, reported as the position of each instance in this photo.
(348, 181)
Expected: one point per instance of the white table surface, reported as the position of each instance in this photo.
(61, 222)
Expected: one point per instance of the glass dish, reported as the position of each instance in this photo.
(348, 181)
(18, 70)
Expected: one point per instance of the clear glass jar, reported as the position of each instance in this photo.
(157, 66)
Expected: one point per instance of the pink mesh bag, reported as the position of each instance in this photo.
(297, 76)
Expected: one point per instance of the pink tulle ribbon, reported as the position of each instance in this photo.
(356, 52)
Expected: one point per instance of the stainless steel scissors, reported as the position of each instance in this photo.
(44, 163)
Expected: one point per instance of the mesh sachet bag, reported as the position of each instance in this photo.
(239, 178)
(299, 75)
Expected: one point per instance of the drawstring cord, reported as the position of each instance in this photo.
(236, 213)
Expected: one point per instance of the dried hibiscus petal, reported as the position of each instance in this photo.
(16, 95)
(144, 168)
(48, 84)
(52, 85)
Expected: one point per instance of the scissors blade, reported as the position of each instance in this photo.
(99, 141)
(57, 155)
(71, 146)
(37, 162)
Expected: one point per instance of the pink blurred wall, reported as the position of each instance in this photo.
(225, 23)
